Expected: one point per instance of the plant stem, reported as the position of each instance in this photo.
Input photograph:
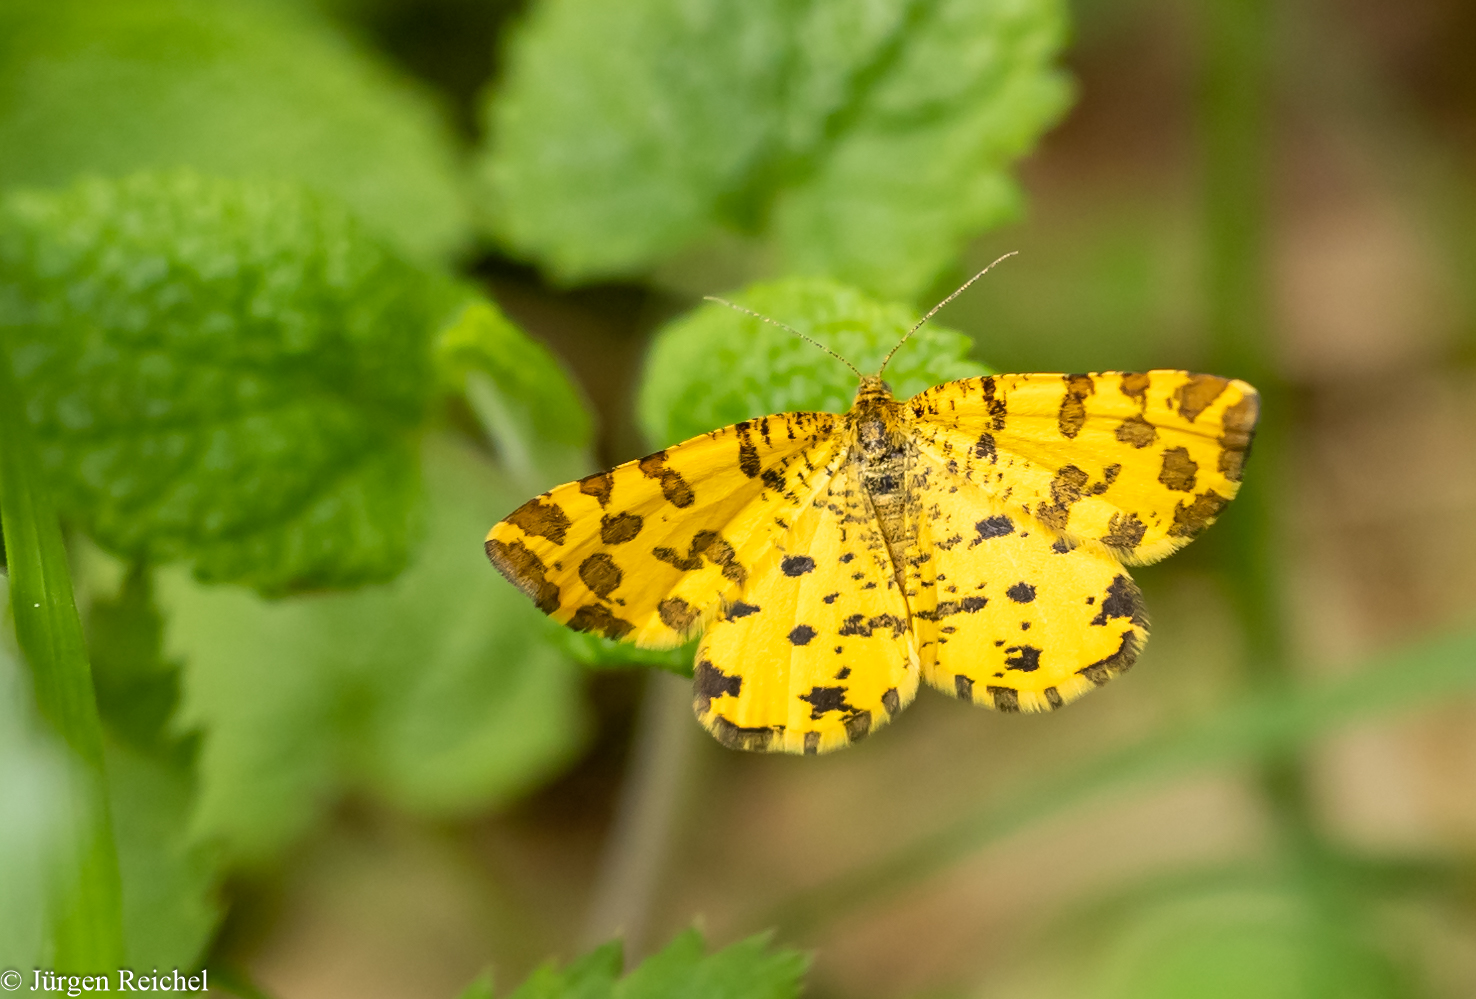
(87, 921)
(640, 838)
(1235, 127)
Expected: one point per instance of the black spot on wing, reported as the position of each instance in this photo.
(1123, 599)
(1021, 593)
(994, 527)
(1025, 658)
(823, 700)
(741, 609)
(1127, 653)
(796, 565)
(708, 682)
(801, 634)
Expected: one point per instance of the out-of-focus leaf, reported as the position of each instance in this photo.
(1272, 942)
(84, 911)
(597, 652)
(715, 366)
(239, 88)
(438, 691)
(746, 970)
(227, 372)
(867, 142)
(529, 406)
(137, 688)
(169, 906)
(480, 988)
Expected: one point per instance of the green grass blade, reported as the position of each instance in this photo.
(1253, 729)
(87, 918)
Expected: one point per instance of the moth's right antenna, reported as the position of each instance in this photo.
(940, 305)
(775, 322)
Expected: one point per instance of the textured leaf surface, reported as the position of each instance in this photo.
(238, 89)
(227, 372)
(714, 366)
(867, 142)
(437, 691)
(746, 970)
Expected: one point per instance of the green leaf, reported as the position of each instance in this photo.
(85, 912)
(437, 692)
(170, 909)
(862, 142)
(480, 988)
(521, 395)
(597, 652)
(227, 372)
(746, 970)
(45, 820)
(239, 88)
(714, 366)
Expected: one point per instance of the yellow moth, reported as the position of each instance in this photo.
(973, 536)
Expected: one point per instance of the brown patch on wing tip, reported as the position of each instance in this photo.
(1239, 423)
(1179, 470)
(1135, 386)
(1137, 432)
(600, 573)
(1195, 395)
(891, 701)
(619, 528)
(1124, 532)
(1191, 518)
(1072, 415)
(677, 614)
(1053, 697)
(812, 743)
(538, 519)
(753, 740)
(598, 485)
(526, 571)
(963, 687)
(675, 488)
(598, 619)
(748, 456)
(1006, 699)
(1119, 662)
(858, 726)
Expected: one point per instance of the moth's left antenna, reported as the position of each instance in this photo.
(775, 322)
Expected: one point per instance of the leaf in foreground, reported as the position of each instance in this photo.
(231, 373)
(746, 970)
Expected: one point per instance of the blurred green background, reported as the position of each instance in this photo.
(298, 298)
